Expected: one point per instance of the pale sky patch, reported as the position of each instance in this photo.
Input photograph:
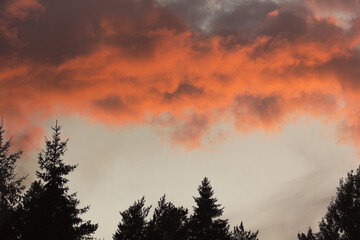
(279, 183)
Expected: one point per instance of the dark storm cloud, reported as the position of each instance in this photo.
(288, 21)
(347, 69)
(243, 18)
(195, 12)
(67, 29)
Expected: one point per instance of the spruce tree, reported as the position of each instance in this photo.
(204, 223)
(168, 222)
(10, 188)
(49, 212)
(239, 233)
(133, 225)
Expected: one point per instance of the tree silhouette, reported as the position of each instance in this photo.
(239, 233)
(168, 222)
(133, 225)
(49, 212)
(308, 236)
(10, 188)
(204, 223)
(342, 220)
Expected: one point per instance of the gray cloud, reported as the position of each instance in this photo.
(112, 103)
(191, 130)
(67, 29)
(184, 90)
(266, 108)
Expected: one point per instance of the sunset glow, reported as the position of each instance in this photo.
(197, 74)
(186, 64)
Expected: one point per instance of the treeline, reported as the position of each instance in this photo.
(47, 211)
(172, 223)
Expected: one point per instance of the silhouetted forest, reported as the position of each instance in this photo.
(47, 211)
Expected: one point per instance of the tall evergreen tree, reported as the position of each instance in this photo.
(133, 225)
(204, 223)
(240, 233)
(49, 212)
(10, 188)
(168, 222)
(342, 220)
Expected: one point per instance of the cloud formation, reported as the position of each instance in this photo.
(255, 64)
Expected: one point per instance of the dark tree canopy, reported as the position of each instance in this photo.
(342, 220)
(204, 223)
(172, 223)
(239, 233)
(133, 225)
(308, 236)
(49, 212)
(10, 188)
(168, 222)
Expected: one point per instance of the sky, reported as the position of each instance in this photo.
(260, 96)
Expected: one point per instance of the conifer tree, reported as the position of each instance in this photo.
(168, 222)
(308, 236)
(342, 220)
(10, 188)
(49, 212)
(239, 233)
(204, 223)
(133, 225)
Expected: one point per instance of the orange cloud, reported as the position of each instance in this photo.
(143, 62)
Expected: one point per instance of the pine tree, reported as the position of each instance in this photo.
(133, 225)
(10, 188)
(168, 222)
(49, 212)
(240, 233)
(204, 223)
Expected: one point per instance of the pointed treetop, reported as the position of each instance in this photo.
(51, 160)
(10, 187)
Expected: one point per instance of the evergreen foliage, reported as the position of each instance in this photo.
(239, 233)
(204, 223)
(133, 225)
(49, 212)
(342, 220)
(308, 236)
(168, 222)
(10, 188)
(172, 223)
